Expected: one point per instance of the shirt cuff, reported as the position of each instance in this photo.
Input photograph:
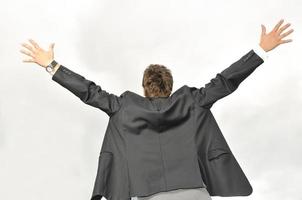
(260, 52)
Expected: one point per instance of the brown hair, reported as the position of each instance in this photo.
(157, 81)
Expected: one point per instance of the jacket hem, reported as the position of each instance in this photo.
(168, 190)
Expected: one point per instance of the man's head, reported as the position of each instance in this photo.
(157, 81)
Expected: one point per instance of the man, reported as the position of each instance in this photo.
(162, 146)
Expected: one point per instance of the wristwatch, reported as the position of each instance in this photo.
(51, 66)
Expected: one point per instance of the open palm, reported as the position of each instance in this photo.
(271, 40)
(37, 54)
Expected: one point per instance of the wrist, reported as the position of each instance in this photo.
(47, 63)
(52, 67)
(260, 52)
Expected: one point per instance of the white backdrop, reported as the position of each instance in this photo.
(50, 140)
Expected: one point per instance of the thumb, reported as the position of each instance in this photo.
(51, 46)
(263, 31)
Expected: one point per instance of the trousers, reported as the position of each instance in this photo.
(179, 194)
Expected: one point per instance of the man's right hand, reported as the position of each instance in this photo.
(274, 38)
(37, 54)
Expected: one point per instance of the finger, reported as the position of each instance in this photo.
(286, 33)
(28, 47)
(34, 43)
(278, 25)
(285, 41)
(28, 60)
(283, 28)
(263, 29)
(27, 53)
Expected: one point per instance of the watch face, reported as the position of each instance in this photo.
(49, 69)
(51, 66)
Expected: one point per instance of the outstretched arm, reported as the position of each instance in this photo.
(227, 81)
(86, 90)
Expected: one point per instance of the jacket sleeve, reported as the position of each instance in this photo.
(87, 90)
(227, 81)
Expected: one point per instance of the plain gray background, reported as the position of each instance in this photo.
(50, 140)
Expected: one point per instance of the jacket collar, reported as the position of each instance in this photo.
(149, 99)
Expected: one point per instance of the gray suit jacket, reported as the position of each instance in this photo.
(161, 144)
